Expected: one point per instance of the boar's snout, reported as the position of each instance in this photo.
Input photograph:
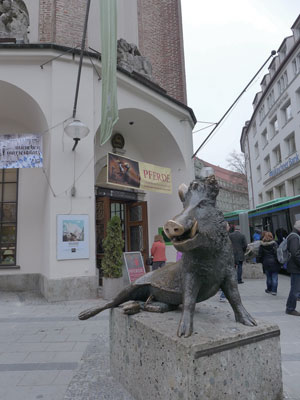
(173, 229)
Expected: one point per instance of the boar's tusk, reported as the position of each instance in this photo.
(182, 190)
(194, 229)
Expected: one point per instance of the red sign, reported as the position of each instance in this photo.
(134, 264)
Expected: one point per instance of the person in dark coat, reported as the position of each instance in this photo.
(267, 255)
(239, 245)
(293, 267)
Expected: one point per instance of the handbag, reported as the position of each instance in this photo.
(149, 261)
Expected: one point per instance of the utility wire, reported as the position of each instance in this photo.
(273, 52)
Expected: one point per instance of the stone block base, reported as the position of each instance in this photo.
(252, 271)
(221, 360)
(83, 287)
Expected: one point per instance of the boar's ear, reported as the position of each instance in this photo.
(182, 190)
(213, 186)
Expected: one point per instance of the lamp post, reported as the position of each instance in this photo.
(76, 130)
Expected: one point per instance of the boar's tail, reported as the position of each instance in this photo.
(129, 293)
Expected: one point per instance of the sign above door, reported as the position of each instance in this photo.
(123, 171)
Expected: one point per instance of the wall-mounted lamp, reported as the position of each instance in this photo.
(76, 130)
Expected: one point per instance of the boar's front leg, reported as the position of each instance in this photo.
(232, 294)
(190, 293)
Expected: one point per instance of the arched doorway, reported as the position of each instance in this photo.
(21, 189)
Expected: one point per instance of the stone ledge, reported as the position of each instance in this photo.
(221, 360)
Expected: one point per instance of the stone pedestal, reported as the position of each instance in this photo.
(222, 360)
(252, 270)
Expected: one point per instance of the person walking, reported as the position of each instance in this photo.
(158, 252)
(267, 255)
(239, 245)
(293, 267)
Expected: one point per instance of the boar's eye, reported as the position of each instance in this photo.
(202, 203)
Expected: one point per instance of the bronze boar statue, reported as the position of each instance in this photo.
(207, 264)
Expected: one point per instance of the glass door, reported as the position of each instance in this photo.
(137, 228)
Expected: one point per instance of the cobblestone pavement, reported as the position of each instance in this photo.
(46, 353)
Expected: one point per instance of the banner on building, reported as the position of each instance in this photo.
(21, 151)
(109, 107)
(136, 174)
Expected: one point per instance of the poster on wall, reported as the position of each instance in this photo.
(72, 237)
(123, 171)
(21, 151)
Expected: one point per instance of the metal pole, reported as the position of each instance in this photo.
(273, 52)
(81, 56)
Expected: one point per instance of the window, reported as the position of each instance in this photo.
(296, 186)
(8, 216)
(296, 65)
(261, 113)
(298, 98)
(287, 112)
(274, 126)
(260, 198)
(267, 163)
(254, 128)
(281, 190)
(271, 99)
(282, 83)
(269, 195)
(277, 155)
(265, 138)
(290, 144)
(258, 171)
(256, 150)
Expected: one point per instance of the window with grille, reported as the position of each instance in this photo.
(8, 216)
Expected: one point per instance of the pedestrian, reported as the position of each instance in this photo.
(256, 235)
(158, 252)
(239, 245)
(222, 295)
(293, 267)
(267, 255)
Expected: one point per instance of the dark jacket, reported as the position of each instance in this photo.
(293, 245)
(239, 245)
(267, 255)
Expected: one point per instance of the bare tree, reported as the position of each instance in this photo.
(236, 162)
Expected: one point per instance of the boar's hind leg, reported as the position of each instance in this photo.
(131, 292)
(232, 294)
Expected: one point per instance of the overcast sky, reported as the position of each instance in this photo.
(226, 42)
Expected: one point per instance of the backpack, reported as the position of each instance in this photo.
(283, 255)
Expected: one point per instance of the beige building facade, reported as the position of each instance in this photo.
(37, 86)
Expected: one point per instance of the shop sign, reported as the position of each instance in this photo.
(136, 174)
(72, 237)
(134, 265)
(291, 161)
(21, 151)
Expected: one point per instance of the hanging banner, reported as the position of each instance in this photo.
(21, 151)
(135, 174)
(109, 107)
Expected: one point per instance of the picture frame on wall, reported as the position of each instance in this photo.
(72, 236)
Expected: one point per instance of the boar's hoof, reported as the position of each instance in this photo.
(185, 327)
(245, 319)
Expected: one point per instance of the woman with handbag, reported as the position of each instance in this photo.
(158, 252)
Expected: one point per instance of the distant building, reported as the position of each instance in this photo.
(233, 194)
(271, 139)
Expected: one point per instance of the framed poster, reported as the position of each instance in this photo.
(134, 265)
(72, 237)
